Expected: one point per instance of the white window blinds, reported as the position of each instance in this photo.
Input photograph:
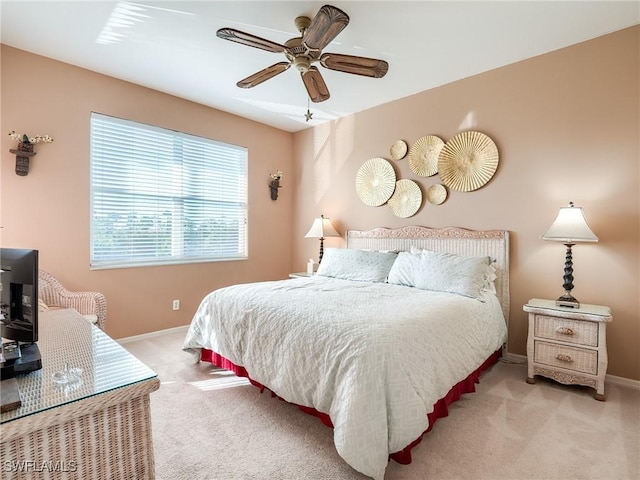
(164, 197)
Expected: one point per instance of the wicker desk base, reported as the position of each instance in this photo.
(103, 438)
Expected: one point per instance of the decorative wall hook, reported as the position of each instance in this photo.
(25, 149)
(274, 185)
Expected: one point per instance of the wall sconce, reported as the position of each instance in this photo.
(25, 149)
(320, 228)
(274, 185)
(569, 227)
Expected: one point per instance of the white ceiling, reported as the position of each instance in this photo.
(172, 46)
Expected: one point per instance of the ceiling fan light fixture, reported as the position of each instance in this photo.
(302, 64)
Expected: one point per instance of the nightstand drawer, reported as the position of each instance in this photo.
(571, 358)
(565, 330)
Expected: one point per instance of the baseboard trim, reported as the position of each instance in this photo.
(620, 381)
(514, 358)
(157, 333)
(623, 382)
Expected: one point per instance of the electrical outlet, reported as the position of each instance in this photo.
(176, 304)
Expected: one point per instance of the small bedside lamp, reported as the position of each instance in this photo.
(322, 227)
(569, 227)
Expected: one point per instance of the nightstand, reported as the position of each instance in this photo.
(299, 275)
(568, 345)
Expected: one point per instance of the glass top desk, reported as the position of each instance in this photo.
(98, 426)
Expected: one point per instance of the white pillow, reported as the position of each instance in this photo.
(406, 269)
(490, 275)
(361, 265)
(489, 280)
(442, 272)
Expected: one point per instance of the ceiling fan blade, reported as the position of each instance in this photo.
(244, 38)
(262, 75)
(325, 26)
(368, 67)
(316, 88)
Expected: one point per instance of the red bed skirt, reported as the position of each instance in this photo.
(440, 409)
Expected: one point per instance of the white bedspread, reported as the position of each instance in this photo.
(375, 357)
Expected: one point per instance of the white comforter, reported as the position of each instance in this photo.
(375, 357)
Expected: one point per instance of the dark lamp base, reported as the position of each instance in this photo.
(568, 301)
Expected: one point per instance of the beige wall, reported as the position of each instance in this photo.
(49, 208)
(566, 124)
(567, 128)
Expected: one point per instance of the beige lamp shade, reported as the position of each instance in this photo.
(320, 228)
(570, 226)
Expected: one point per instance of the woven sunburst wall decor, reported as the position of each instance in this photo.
(406, 199)
(398, 150)
(375, 182)
(423, 155)
(468, 161)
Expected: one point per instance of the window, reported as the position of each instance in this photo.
(163, 197)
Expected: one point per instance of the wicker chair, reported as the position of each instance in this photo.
(53, 294)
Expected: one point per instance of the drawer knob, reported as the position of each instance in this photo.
(564, 330)
(563, 358)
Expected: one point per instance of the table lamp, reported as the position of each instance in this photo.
(322, 227)
(569, 227)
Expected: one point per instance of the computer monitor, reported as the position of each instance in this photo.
(19, 311)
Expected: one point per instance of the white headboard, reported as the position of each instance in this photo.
(491, 243)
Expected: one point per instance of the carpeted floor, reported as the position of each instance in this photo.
(208, 425)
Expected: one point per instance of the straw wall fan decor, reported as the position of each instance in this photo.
(406, 199)
(466, 162)
(423, 156)
(375, 182)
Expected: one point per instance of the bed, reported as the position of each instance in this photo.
(390, 331)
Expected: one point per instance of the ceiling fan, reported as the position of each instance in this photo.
(305, 50)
